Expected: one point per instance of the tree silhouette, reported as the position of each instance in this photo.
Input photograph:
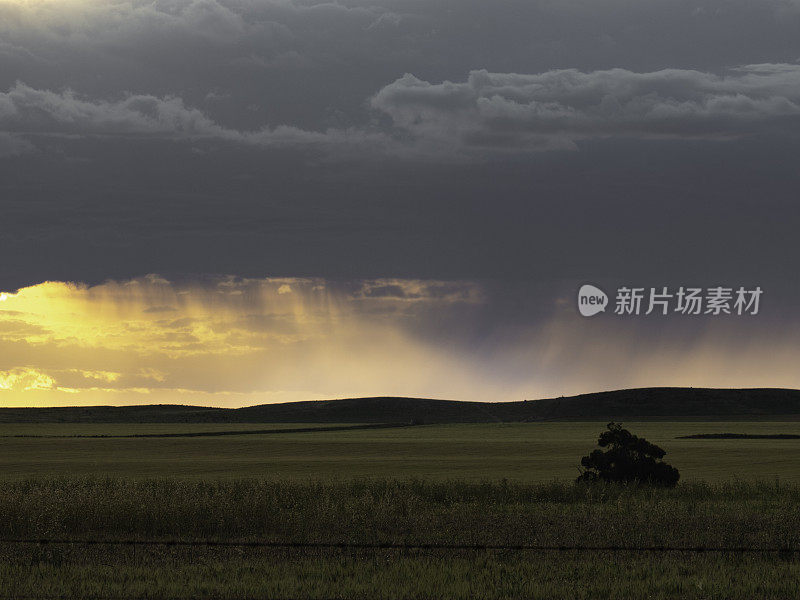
(628, 459)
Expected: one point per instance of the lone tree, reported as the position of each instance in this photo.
(628, 458)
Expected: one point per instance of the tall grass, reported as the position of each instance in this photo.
(118, 573)
(754, 515)
(403, 511)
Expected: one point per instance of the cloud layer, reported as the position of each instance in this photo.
(283, 73)
(28, 112)
(501, 111)
(553, 109)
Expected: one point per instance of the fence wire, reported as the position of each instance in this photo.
(402, 546)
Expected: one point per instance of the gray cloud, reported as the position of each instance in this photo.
(505, 111)
(29, 111)
(553, 109)
(312, 64)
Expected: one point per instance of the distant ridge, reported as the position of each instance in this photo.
(643, 403)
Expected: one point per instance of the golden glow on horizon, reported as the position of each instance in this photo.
(224, 342)
(234, 342)
(148, 315)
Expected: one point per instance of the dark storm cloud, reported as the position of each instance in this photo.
(545, 142)
(313, 64)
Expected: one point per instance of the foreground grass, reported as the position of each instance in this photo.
(738, 514)
(403, 511)
(250, 575)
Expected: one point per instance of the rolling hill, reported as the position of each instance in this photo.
(641, 403)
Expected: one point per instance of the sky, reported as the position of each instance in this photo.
(233, 202)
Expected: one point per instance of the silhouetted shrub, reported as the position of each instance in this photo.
(628, 458)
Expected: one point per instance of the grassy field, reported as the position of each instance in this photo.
(493, 575)
(756, 516)
(467, 484)
(534, 452)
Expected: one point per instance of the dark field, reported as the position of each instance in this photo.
(527, 452)
(755, 516)
(422, 489)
